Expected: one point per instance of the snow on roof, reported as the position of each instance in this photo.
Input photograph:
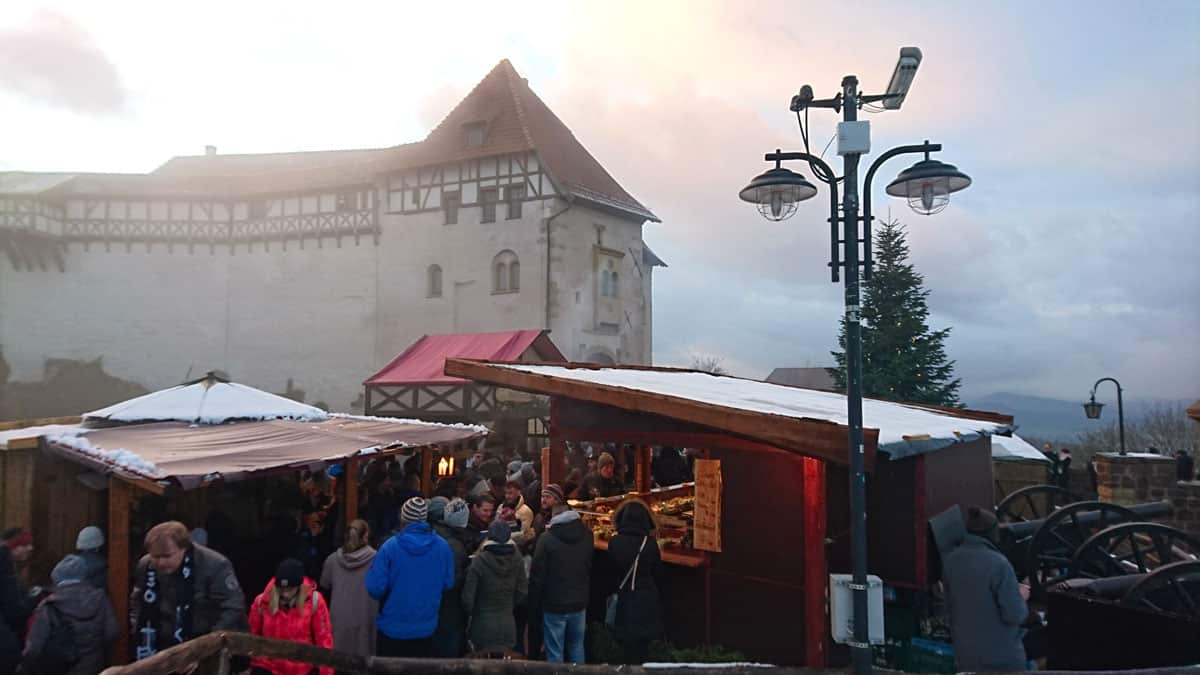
(209, 400)
(118, 458)
(903, 429)
(1011, 448)
(34, 432)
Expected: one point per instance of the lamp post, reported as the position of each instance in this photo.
(927, 186)
(1093, 408)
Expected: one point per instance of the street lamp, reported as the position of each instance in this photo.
(1093, 408)
(926, 185)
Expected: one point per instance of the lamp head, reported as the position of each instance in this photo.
(927, 185)
(776, 192)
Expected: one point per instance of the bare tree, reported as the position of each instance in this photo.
(708, 364)
(1164, 427)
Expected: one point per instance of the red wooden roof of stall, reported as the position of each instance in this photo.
(424, 362)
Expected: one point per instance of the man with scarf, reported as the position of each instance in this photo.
(182, 590)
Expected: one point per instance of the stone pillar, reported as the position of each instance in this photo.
(1134, 478)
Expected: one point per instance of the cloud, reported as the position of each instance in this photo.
(54, 60)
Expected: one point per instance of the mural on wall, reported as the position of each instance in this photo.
(67, 387)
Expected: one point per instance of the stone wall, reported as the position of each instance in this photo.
(1139, 478)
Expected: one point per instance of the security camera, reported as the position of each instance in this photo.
(902, 77)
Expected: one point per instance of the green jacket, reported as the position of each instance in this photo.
(495, 583)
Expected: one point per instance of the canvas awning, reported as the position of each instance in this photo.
(424, 362)
(208, 400)
(190, 454)
(801, 420)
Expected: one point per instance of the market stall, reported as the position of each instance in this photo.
(747, 566)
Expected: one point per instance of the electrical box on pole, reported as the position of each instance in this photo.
(854, 138)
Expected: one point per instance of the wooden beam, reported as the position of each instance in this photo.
(350, 480)
(120, 496)
(427, 472)
(18, 487)
(815, 571)
(810, 437)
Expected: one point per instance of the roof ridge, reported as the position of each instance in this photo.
(455, 107)
(511, 75)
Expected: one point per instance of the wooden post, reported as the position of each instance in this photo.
(350, 480)
(18, 490)
(815, 564)
(427, 472)
(120, 494)
(642, 477)
(555, 470)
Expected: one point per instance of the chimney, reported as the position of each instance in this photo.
(210, 150)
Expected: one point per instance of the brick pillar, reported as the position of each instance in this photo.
(1134, 479)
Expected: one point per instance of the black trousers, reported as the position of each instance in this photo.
(413, 649)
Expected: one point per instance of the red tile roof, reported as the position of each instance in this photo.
(517, 121)
(425, 360)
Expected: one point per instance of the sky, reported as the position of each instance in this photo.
(1074, 255)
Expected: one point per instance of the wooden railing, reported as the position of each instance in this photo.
(213, 652)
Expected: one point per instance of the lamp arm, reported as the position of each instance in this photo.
(1106, 379)
(926, 148)
(834, 260)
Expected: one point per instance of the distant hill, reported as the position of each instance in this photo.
(1051, 418)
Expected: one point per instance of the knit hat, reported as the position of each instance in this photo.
(415, 510)
(515, 479)
(89, 538)
(456, 514)
(980, 521)
(556, 491)
(514, 466)
(200, 536)
(605, 460)
(19, 538)
(437, 507)
(481, 488)
(70, 569)
(499, 532)
(290, 573)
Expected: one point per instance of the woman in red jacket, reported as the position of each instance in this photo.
(290, 608)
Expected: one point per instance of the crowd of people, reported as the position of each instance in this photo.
(495, 563)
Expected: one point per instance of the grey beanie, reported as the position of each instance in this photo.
(499, 532)
(90, 538)
(514, 466)
(437, 506)
(71, 569)
(456, 513)
(481, 488)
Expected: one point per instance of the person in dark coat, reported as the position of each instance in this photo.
(559, 584)
(14, 608)
(449, 520)
(670, 468)
(602, 482)
(639, 607)
(86, 610)
(494, 586)
(986, 604)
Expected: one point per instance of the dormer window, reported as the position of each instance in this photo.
(476, 134)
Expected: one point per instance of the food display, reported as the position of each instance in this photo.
(673, 509)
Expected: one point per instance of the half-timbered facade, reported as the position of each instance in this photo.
(318, 267)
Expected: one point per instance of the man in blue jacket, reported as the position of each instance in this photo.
(408, 577)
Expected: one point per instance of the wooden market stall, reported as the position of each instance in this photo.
(183, 445)
(775, 486)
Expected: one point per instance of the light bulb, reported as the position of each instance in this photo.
(927, 196)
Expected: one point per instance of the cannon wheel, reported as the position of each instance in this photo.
(1033, 503)
(1170, 589)
(1052, 547)
(1133, 548)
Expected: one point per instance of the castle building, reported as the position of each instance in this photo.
(311, 270)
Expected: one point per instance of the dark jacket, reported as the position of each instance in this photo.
(14, 606)
(218, 603)
(670, 468)
(452, 620)
(562, 565)
(986, 608)
(408, 577)
(92, 620)
(639, 608)
(495, 584)
(595, 485)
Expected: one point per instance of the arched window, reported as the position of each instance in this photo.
(435, 281)
(506, 272)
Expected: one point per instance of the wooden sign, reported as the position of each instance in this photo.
(707, 523)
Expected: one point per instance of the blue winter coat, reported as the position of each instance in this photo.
(408, 577)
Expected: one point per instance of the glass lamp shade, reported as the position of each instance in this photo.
(1092, 409)
(927, 185)
(777, 192)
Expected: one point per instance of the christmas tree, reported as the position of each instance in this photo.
(902, 359)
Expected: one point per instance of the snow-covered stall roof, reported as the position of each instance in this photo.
(208, 400)
(189, 454)
(35, 431)
(1014, 448)
(717, 400)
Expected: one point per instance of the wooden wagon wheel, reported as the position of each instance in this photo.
(1170, 589)
(1052, 547)
(1133, 548)
(1033, 503)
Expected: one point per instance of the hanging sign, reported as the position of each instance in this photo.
(707, 523)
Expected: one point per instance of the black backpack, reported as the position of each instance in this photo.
(59, 652)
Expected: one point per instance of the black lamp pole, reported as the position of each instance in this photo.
(1092, 405)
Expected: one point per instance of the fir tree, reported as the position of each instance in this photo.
(902, 359)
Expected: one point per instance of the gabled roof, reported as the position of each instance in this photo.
(208, 400)
(516, 121)
(424, 362)
(804, 421)
(808, 378)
